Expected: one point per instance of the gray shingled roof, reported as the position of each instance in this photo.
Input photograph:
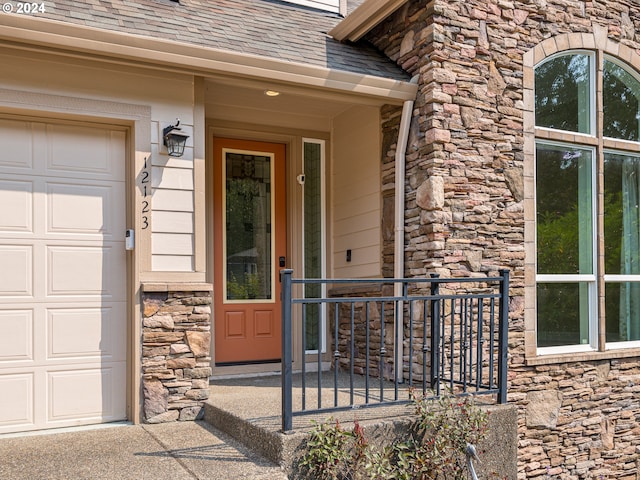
(269, 28)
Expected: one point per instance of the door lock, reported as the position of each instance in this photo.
(282, 262)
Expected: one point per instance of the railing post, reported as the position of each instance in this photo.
(435, 334)
(287, 354)
(503, 333)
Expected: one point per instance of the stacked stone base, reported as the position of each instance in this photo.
(176, 361)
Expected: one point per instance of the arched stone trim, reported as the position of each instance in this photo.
(598, 41)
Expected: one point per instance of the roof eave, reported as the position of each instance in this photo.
(70, 39)
(364, 18)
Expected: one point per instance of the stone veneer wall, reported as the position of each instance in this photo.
(176, 362)
(465, 207)
(360, 315)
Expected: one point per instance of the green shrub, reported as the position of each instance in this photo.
(328, 452)
(435, 450)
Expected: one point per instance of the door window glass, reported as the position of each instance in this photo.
(313, 231)
(248, 236)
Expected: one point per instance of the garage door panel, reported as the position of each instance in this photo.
(80, 333)
(77, 149)
(17, 194)
(85, 394)
(16, 279)
(75, 209)
(17, 409)
(81, 271)
(17, 146)
(16, 341)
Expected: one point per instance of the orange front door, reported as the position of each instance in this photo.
(249, 247)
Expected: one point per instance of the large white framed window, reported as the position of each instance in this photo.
(622, 248)
(587, 231)
(565, 245)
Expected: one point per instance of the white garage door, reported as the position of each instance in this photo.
(62, 275)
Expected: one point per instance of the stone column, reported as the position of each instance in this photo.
(176, 361)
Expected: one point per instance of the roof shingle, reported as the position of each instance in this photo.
(269, 28)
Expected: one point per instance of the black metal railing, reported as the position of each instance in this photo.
(452, 334)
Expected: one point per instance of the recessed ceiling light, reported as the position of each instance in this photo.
(271, 93)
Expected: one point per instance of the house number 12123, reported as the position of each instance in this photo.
(146, 190)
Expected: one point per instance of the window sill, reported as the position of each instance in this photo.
(582, 356)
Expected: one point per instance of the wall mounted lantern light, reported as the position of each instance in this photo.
(174, 139)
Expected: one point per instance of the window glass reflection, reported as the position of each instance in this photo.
(562, 93)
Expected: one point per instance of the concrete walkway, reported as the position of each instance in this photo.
(176, 451)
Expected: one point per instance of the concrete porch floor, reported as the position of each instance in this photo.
(258, 399)
(249, 409)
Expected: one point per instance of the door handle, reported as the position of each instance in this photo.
(282, 262)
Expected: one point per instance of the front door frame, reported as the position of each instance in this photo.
(293, 141)
(243, 320)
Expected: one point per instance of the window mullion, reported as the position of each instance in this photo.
(586, 250)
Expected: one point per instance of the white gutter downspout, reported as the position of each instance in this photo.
(398, 256)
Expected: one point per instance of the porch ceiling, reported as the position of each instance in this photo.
(295, 107)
